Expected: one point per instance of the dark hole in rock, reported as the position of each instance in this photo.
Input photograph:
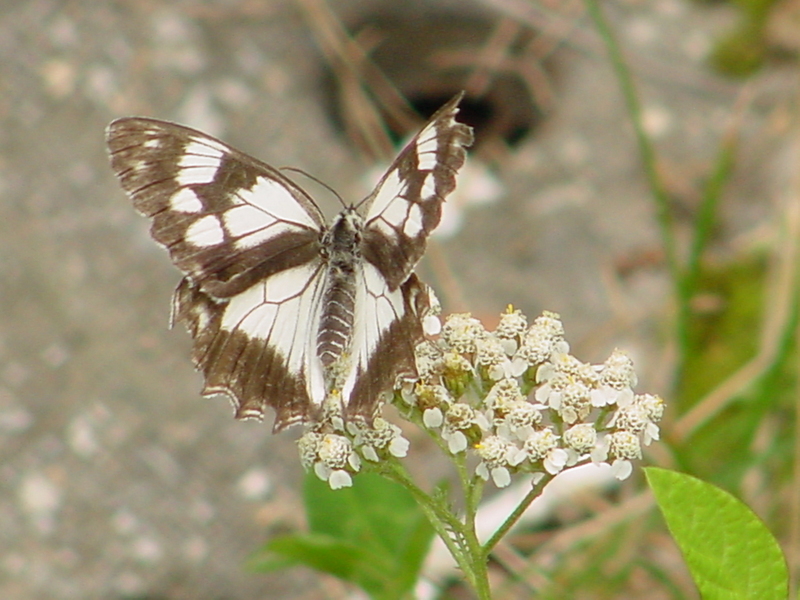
(429, 57)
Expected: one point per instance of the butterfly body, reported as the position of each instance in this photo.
(285, 310)
(343, 256)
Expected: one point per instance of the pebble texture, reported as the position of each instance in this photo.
(116, 479)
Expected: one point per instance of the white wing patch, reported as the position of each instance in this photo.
(276, 202)
(199, 163)
(284, 312)
(395, 211)
(428, 188)
(185, 201)
(427, 145)
(413, 224)
(390, 189)
(244, 219)
(206, 231)
(152, 143)
(378, 309)
(391, 211)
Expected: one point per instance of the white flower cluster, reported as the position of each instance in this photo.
(333, 449)
(523, 404)
(514, 398)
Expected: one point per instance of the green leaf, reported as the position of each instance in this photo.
(730, 552)
(372, 534)
(321, 552)
(380, 517)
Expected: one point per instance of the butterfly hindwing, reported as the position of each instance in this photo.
(259, 347)
(226, 219)
(385, 336)
(406, 205)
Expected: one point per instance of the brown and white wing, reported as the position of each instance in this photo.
(227, 219)
(259, 347)
(387, 329)
(248, 242)
(406, 205)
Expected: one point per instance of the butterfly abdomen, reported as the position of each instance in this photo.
(339, 302)
(336, 326)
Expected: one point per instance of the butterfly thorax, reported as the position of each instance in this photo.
(341, 243)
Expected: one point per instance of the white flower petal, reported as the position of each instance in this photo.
(431, 325)
(651, 432)
(501, 477)
(573, 457)
(354, 461)
(545, 372)
(399, 447)
(561, 347)
(516, 456)
(497, 372)
(456, 442)
(482, 421)
(518, 367)
(555, 460)
(322, 471)
(407, 394)
(432, 418)
(369, 453)
(621, 469)
(602, 396)
(340, 479)
(625, 397)
(509, 345)
(524, 432)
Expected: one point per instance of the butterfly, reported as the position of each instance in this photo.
(285, 310)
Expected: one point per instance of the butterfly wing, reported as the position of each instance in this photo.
(248, 242)
(406, 205)
(226, 219)
(387, 330)
(401, 212)
(258, 348)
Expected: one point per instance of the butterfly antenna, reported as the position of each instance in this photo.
(322, 183)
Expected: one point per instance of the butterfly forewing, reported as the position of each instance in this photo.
(226, 219)
(406, 205)
(266, 279)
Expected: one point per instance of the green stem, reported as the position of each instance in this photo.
(475, 570)
(515, 515)
(472, 489)
(396, 472)
(706, 217)
(460, 537)
(461, 543)
(703, 227)
(645, 146)
(657, 187)
(479, 560)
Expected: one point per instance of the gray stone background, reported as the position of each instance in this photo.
(116, 479)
